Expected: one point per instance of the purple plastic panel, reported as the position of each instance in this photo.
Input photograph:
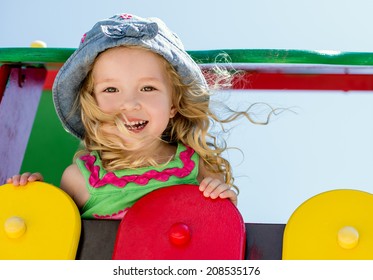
(18, 107)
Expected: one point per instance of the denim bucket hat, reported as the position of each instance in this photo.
(119, 30)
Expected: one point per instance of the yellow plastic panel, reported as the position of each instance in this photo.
(39, 222)
(333, 225)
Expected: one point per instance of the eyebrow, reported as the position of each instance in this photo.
(105, 80)
(150, 79)
(146, 79)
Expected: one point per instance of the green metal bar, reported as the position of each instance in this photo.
(34, 55)
(59, 55)
(285, 56)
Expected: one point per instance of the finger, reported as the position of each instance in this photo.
(24, 178)
(35, 177)
(205, 182)
(15, 180)
(222, 187)
(213, 184)
(230, 194)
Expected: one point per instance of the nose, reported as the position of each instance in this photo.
(130, 102)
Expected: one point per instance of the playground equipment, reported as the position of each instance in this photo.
(33, 139)
(38, 221)
(332, 225)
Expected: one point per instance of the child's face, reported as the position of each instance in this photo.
(134, 82)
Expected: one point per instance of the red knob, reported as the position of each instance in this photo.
(179, 234)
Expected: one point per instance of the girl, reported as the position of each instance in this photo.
(141, 106)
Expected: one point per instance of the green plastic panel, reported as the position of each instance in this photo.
(50, 148)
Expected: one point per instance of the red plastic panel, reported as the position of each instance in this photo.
(49, 80)
(281, 81)
(178, 222)
(252, 80)
(17, 112)
(4, 75)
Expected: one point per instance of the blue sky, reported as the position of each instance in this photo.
(326, 145)
(208, 24)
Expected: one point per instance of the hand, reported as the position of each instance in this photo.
(215, 188)
(21, 180)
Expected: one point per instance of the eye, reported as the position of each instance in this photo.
(148, 88)
(111, 89)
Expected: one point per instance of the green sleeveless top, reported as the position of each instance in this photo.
(112, 193)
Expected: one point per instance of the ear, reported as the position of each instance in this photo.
(172, 112)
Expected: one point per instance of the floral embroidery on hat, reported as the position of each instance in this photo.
(126, 16)
(83, 38)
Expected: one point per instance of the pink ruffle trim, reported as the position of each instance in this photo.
(142, 179)
(115, 216)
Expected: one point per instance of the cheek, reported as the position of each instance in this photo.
(166, 106)
(105, 105)
(98, 101)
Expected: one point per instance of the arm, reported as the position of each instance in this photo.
(212, 185)
(73, 183)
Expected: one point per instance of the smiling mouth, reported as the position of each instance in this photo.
(136, 126)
